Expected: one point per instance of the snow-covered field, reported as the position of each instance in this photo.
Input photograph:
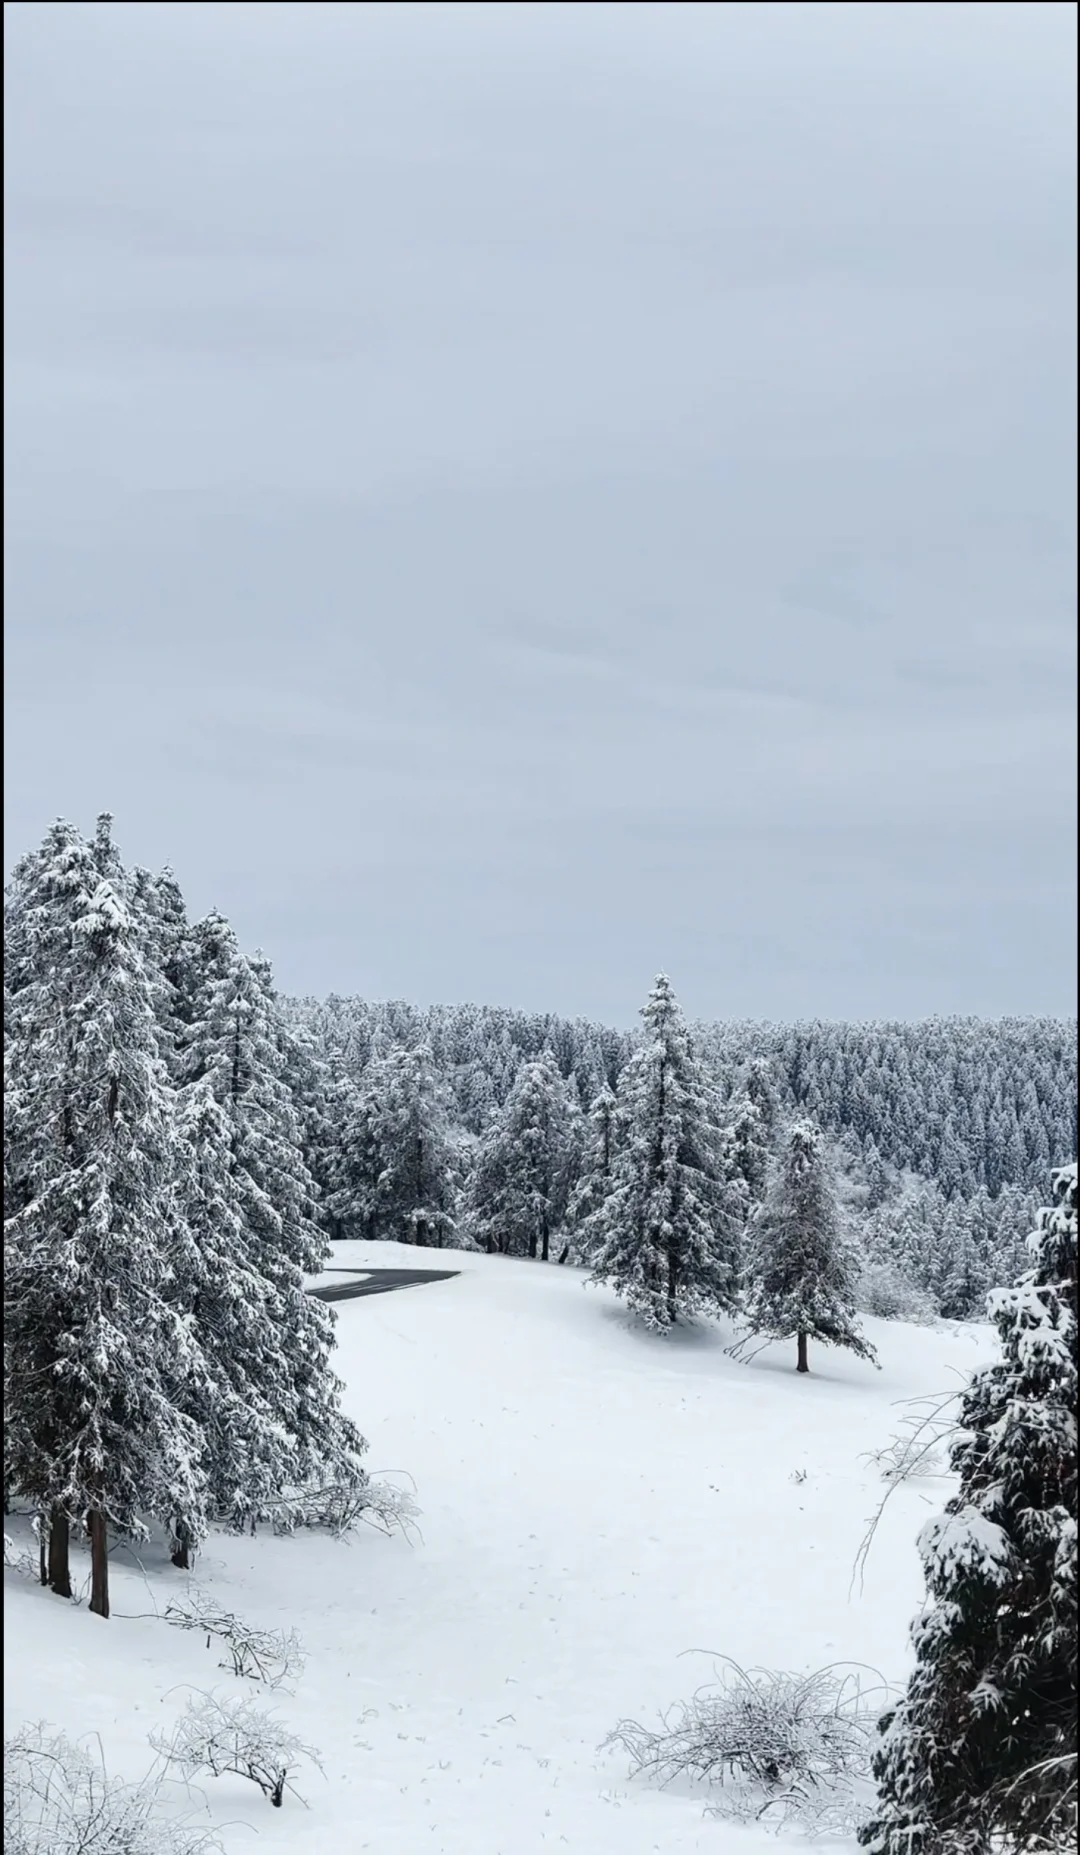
(593, 1503)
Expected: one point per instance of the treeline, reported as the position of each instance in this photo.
(968, 1104)
(474, 1125)
(162, 1362)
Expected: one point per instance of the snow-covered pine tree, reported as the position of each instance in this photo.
(158, 905)
(311, 1084)
(575, 1140)
(234, 1046)
(594, 1179)
(666, 1232)
(960, 1282)
(980, 1755)
(401, 1162)
(802, 1273)
(95, 1350)
(749, 1146)
(248, 1404)
(519, 1188)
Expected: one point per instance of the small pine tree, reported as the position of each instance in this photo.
(980, 1754)
(802, 1275)
(665, 1233)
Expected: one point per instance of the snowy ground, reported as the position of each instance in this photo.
(594, 1502)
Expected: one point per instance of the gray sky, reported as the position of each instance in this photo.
(507, 498)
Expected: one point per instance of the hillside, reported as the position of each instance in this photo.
(593, 1504)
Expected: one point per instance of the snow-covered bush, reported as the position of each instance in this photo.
(217, 1735)
(19, 1558)
(888, 1294)
(790, 1748)
(59, 1799)
(920, 1447)
(339, 1506)
(271, 1656)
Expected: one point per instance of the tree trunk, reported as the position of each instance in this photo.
(802, 1365)
(43, 1556)
(672, 1287)
(564, 1252)
(59, 1553)
(181, 1552)
(99, 1564)
(545, 1252)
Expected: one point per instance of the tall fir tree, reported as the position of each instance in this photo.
(980, 1755)
(595, 1174)
(233, 1045)
(667, 1230)
(247, 1403)
(521, 1184)
(802, 1272)
(748, 1139)
(96, 1353)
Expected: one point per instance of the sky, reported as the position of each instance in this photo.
(506, 499)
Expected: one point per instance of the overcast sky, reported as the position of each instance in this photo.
(504, 499)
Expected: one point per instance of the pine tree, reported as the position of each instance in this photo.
(667, 1230)
(158, 906)
(400, 1183)
(959, 1283)
(980, 1754)
(94, 1349)
(234, 1046)
(519, 1189)
(247, 1404)
(595, 1175)
(802, 1273)
(749, 1146)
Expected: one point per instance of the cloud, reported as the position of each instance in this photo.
(504, 496)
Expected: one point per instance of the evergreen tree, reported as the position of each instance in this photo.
(667, 1229)
(158, 906)
(234, 1046)
(749, 1148)
(520, 1186)
(248, 1404)
(95, 1350)
(400, 1182)
(595, 1176)
(311, 1085)
(802, 1273)
(960, 1278)
(980, 1754)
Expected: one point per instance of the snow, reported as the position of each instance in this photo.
(594, 1501)
(338, 1278)
(955, 1545)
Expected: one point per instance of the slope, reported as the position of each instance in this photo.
(594, 1502)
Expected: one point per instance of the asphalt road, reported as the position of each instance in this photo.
(379, 1282)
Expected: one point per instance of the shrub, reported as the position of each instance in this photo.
(59, 1799)
(218, 1736)
(794, 1748)
(271, 1656)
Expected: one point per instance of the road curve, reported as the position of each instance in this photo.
(379, 1282)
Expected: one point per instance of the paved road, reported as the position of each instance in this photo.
(378, 1282)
